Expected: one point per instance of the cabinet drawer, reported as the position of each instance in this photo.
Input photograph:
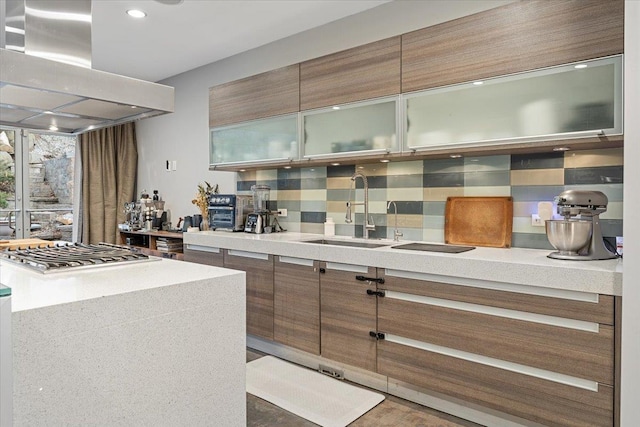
(259, 270)
(208, 257)
(565, 347)
(592, 307)
(535, 399)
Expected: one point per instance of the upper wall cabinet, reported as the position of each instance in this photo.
(365, 128)
(364, 72)
(520, 36)
(571, 101)
(264, 95)
(272, 140)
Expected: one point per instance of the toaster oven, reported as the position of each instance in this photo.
(228, 211)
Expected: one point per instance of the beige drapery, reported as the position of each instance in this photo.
(109, 166)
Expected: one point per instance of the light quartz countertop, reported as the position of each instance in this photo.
(31, 289)
(519, 266)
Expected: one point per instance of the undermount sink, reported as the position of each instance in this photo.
(431, 247)
(346, 243)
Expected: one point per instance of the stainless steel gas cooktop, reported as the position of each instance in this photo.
(76, 255)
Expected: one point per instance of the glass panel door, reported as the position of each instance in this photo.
(36, 185)
(569, 101)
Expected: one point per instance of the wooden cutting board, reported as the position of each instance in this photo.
(479, 221)
(25, 244)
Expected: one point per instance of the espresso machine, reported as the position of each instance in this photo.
(578, 236)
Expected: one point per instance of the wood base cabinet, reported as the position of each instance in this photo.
(259, 269)
(348, 314)
(543, 358)
(296, 303)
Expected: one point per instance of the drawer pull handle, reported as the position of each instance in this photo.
(376, 293)
(376, 335)
(370, 279)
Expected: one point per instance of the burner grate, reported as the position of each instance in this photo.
(72, 255)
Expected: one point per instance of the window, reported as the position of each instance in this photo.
(36, 185)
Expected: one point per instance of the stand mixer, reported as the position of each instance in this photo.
(579, 239)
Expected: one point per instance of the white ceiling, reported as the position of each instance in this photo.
(177, 38)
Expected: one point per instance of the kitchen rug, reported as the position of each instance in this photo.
(316, 397)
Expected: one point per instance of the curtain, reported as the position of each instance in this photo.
(109, 159)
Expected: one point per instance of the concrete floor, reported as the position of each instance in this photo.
(392, 412)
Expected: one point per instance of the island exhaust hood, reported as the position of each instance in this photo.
(46, 80)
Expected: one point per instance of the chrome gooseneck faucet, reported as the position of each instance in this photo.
(396, 233)
(367, 225)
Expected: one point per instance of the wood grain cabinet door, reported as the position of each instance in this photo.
(348, 315)
(517, 37)
(259, 269)
(296, 305)
(204, 255)
(363, 72)
(268, 94)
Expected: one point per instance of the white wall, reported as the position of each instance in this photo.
(631, 288)
(183, 136)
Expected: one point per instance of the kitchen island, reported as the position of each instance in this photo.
(498, 336)
(160, 342)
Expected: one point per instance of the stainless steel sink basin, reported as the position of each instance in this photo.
(432, 247)
(355, 244)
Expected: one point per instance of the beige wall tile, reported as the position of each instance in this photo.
(590, 158)
(313, 195)
(337, 206)
(267, 174)
(338, 183)
(523, 225)
(525, 209)
(414, 167)
(440, 194)
(289, 194)
(431, 235)
(406, 194)
(537, 177)
(309, 227)
(405, 220)
(614, 211)
(488, 191)
(247, 175)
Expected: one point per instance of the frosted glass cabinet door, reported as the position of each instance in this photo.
(267, 140)
(569, 101)
(363, 128)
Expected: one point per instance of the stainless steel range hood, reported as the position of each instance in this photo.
(46, 80)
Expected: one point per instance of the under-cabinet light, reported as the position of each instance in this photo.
(455, 156)
(336, 108)
(385, 161)
(561, 148)
(580, 66)
(287, 167)
(135, 13)
(335, 164)
(53, 127)
(478, 83)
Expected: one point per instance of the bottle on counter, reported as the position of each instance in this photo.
(329, 227)
(156, 196)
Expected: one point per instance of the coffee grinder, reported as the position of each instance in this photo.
(259, 218)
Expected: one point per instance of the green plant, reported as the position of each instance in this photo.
(3, 199)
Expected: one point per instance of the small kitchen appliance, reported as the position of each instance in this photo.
(258, 220)
(578, 236)
(228, 211)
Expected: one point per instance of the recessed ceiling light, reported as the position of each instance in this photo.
(478, 83)
(336, 108)
(242, 170)
(580, 66)
(53, 128)
(455, 156)
(335, 164)
(287, 167)
(561, 149)
(384, 161)
(135, 13)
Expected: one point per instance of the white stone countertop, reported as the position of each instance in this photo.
(31, 289)
(515, 265)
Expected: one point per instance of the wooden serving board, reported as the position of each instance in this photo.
(479, 221)
(25, 244)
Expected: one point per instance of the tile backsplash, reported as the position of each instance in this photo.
(420, 189)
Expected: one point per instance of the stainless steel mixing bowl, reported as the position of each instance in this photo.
(569, 236)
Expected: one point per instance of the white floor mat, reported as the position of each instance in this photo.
(316, 397)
